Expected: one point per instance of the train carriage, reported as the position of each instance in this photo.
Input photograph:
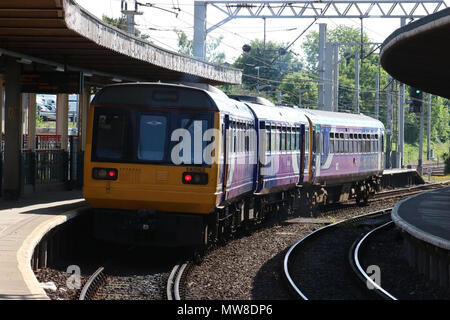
(347, 154)
(177, 164)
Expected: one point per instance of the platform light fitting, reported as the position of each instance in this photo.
(59, 68)
(24, 61)
(117, 80)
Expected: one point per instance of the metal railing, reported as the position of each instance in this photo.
(49, 163)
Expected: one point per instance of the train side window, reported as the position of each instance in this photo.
(316, 143)
(278, 138)
(268, 145)
(273, 139)
(350, 144)
(233, 137)
(246, 138)
(345, 143)
(283, 139)
(294, 138)
(307, 140)
(239, 129)
(288, 138)
(331, 142)
(336, 144)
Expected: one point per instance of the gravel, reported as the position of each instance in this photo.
(251, 267)
(386, 249)
(246, 268)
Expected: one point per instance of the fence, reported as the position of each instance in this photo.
(49, 163)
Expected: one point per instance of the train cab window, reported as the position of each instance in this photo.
(154, 126)
(111, 135)
(196, 127)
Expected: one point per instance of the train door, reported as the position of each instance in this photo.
(302, 152)
(381, 150)
(317, 149)
(226, 152)
(263, 144)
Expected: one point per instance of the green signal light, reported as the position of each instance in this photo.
(417, 91)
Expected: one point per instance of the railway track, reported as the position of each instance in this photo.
(131, 278)
(175, 279)
(93, 284)
(357, 265)
(316, 268)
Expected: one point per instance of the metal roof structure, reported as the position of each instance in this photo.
(63, 35)
(417, 54)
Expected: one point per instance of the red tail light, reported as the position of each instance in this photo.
(195, 178)
(104, 174)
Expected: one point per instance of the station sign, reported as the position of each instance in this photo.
(52, 82)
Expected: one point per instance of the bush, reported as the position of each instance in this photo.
(447, 162)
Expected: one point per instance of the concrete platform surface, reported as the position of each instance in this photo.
(23, 223)
(426, 216)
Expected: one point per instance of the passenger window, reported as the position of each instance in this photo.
(294, 139)
(278, 138)
(306, 140)
(268, 139)
(283, 139)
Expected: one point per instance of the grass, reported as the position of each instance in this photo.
(411, 152)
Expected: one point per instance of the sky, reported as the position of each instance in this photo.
(159, 20)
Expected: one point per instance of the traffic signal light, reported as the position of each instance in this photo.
(416, 96)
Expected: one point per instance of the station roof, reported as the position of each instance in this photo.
(60, 32)
(418, 53)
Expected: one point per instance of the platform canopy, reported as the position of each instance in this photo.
(61, 34)
(418, 53)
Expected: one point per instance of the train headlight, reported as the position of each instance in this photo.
(104, 174)
(195, 178)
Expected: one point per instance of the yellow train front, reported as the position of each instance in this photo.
(137, 194)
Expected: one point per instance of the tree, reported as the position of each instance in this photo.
(121, 24)
(293, 83)
(369, 67)
(268, 62)
(186, 47)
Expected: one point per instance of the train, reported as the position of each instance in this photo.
(184, 164)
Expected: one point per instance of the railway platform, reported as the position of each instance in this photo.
(393, 178)
(425, 222)
(22, 226)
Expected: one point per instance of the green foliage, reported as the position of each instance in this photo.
(293, 83)
(186, 47)
(369, 67)
(121, 24)
(447, 162)
(270, 63)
